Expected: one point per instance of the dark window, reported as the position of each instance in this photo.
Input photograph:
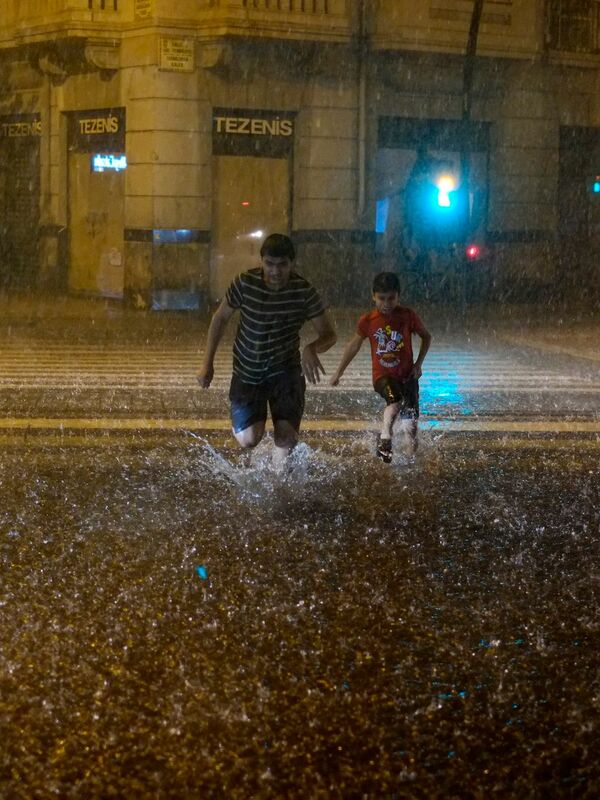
(573, 25)
(19, 210)
(436, 134)
(579, 147)
(103, 4)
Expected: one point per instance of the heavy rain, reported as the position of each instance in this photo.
(190, 611)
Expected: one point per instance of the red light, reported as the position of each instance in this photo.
(473, 251)
(245, 203)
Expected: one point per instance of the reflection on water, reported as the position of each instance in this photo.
(188, 622)
(442, 392)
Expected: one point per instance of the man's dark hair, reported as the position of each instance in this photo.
(386, 282)
(277, 245)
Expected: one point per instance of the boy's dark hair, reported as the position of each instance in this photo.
(386, 282)
(277, 245)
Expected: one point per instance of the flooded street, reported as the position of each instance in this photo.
(205, 209)
(179, 623)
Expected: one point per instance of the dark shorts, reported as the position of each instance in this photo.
(404, 392)
(283, 394)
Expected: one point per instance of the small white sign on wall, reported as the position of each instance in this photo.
(176, 54)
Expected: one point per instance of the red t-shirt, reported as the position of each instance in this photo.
(390, 337)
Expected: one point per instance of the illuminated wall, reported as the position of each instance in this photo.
(170, 65)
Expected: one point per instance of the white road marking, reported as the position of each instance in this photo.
(448, 370)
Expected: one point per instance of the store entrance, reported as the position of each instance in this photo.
(96, 207)
(251, 200)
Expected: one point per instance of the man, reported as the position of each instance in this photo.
(274, 303)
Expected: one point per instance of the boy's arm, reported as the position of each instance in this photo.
(425, 337)
(350, 351)
(216, 330)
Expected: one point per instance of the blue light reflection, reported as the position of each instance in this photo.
(443, 391)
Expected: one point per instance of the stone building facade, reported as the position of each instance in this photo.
(147, 146)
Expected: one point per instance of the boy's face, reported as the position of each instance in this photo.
(276, 271)
(385, 302)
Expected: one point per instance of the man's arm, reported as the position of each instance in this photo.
(216, 330)
(326, 338)
(350, 351)
(425, 337)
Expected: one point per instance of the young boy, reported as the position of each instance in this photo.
(389, 328)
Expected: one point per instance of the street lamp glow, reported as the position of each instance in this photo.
(445, 185)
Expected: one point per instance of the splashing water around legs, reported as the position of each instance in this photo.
(409, 430)
(286, 439)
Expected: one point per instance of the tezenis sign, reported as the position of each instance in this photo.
(251, 132)
(97, 129)
(20, 126)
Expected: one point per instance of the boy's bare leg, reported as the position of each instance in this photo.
(389, 417)
(286, 438)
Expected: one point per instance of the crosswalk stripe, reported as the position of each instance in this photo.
(80, 367)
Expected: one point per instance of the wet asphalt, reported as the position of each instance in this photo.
(177, 622)
(180, 621)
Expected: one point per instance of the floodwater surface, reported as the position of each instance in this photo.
(182, 622)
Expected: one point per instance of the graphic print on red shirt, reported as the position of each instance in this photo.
(390, 338)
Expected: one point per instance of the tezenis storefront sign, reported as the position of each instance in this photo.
(251, 132)
(20, 126)
(97, 129)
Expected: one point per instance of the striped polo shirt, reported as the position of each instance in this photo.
(267, 342)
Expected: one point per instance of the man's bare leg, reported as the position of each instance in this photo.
(286, 438)
(250, 436)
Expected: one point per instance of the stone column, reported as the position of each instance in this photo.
(167, 205)
(333, 249)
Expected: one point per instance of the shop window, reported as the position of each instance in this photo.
(573, 25)
(297, 6)
(576, 192)
(103, 5)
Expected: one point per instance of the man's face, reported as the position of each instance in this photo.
(385, 302)
(276, 271)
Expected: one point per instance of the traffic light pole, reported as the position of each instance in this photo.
(465, 155)
(470, 54)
